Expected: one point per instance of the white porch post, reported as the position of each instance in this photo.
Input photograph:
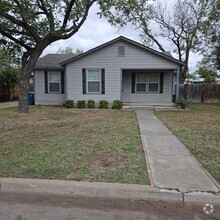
(121, 85)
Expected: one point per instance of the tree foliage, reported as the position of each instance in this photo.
(9, 75)
(207, 69)
(69, 50)
(28, 27)
(208, 74)
(179, 24)
(211, 33)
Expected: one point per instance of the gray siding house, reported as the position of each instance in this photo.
(121, 69)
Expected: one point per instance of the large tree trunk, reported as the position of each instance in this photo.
(183, 74)
(29, 60)
(23, 103)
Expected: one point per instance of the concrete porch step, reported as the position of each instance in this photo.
(150, 106)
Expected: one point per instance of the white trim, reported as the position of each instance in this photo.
(48, 75)
(100, 81)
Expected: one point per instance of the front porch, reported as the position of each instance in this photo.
(149, 87)
(149, 106)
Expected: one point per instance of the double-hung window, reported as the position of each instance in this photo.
(93, 80)
(141, 82)
(153, 82)
(54, 84)
(146, 82)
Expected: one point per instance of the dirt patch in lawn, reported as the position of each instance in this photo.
(72, 144)
(199, 129)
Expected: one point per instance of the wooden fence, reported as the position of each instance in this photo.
(204, 93)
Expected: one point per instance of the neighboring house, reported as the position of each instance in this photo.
(121, 69)
(199, 81)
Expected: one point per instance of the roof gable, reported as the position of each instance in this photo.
(161, 54)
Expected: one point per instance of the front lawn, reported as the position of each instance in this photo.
(71, 144)
(199, 129)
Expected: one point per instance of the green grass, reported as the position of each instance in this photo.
(199, 129)
(72, 144)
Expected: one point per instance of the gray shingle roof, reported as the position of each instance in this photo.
(52, 61)
(164, 55)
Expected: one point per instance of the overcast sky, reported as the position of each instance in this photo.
(96, 31)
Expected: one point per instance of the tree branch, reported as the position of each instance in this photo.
(76, 28)
(25, 21)
(68, 11)
(15, 40)
(48, 14)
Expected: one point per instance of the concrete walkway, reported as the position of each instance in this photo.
(171, 164)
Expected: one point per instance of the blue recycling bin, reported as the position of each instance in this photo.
(31, 98)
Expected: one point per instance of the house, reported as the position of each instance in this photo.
(121, 69)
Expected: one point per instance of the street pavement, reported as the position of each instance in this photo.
(26, 199)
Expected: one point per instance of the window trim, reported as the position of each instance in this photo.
(87, 81)
(147, 82)
(48, 75)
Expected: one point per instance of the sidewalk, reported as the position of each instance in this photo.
(8, 104)
(171, 164)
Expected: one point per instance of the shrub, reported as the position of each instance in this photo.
(81, 103)
(91, 104)
(103, 104)
(117, 104)
(69, 103)
(182, 102)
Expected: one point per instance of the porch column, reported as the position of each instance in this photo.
(177, 83)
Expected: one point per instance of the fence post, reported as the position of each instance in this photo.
(203, 93)
(185, 91)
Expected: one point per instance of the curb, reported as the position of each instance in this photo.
(102, 190)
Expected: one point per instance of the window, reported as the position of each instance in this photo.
(153, 82)
(94, 81)
(54, 82)
(121, 51)
(147, 82)
(141, 83)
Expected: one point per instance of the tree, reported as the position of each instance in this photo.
(28, 27)
(209, 75)
(179, 23)
(8, 75)
(69, 50)
(211, 33)
(4, 59)
(207, 69)
(217, 57)
(9, 78)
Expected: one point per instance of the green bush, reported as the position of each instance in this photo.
(182, 102)
(69, 103)
(117, 104)
(103, 104)
(91, 104)
(81, 103)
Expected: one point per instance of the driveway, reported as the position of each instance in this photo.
(8, 104)
(170, 163)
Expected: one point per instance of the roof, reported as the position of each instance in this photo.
(52, 61)
(161, 54)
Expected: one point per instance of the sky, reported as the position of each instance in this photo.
(96, 31)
